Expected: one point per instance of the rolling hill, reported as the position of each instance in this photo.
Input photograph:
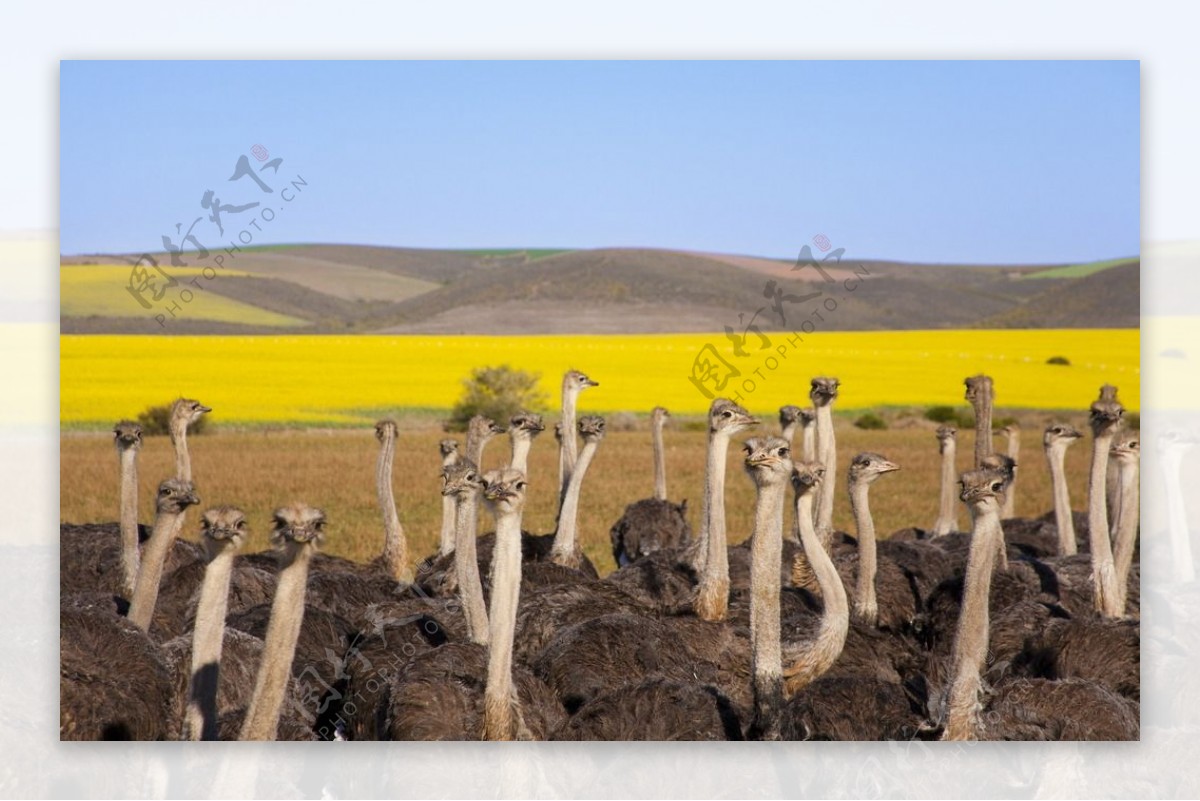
(325, 289)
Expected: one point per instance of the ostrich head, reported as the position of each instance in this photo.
(223, 527)
(385, 429)
(298, 523)
(1106, 412)
(726, 417)
(824, 390)
(659, 415)
(186, 411)
(526, 424)
(1006, 466)
(483, 427)
(946, 435)
(806, 477)
(591, 428)
(768, 460)
(448, 447)
(789, 415)
(1010, 430)
(1060, 433)
(175, 495)
(127, 434)
(1126, 450)
(460, 478)
(576, 382)
(504, 490)
(981, 489)
(807, 416)
(979, 389)
(867, 467)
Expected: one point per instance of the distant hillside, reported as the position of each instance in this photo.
(361, 289)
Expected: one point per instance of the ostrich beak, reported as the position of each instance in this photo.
(203, 408)
(590, 383)
(888, 467)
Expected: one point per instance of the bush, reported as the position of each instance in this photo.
(870, 422)
(950, 415)
(498, 393)
(1001, 422)
(1133, 421)
(156, 420)
(1063, 360)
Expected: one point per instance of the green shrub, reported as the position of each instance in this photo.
(156, 420)
(1063, 360)
(870, 422)
(942, 414)
(498, 393)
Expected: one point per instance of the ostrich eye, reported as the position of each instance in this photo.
(727, 413)
(783, 452)
(241, 524)
(996, 485)
(521, 485)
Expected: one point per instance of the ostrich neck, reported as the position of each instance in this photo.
(183, 461)
(660, 463)
(145, 594)
(474, 448)
(789, 431)
(446, 539)
(279, 647)
(712, 597)
(130, 556)
(207, 638)
(1009, 509)
(564, 548)
(827, 453)
(520, 452)
(766, 553)
(1177, 524)
(808, 444)
(395, 547)
(815, 658)
(983, 428)
(568, 448)
(1127, 527)
(466, 566)
(1104, 577)
(499, 698)
(865, 606)
(971, 639)
(1063, 520)
(947, 519)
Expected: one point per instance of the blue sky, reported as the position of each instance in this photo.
(978, 162)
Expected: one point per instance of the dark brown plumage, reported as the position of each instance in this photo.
(656, 710)
(647, 526)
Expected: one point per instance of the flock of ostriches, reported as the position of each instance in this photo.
(1017, 628)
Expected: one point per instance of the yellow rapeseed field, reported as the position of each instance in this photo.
(350, 380)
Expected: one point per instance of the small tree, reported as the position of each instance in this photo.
(498, 393)
(1063, 360)
(870, 422)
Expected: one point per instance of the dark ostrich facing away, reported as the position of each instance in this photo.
(651, 524)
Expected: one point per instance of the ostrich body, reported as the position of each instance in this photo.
(865, 469)
(980, 395)
(573, 383)
(184, 412)
(651, 524)
(394, 558)
(128, 438)
(1126, 454)
(523, 428)
(1055, 441)
(823, 393)
(565, 550)
(725, 418)
(449, 450)
(461, 482)
(480, 431)
(1012, 435)
(224, 530)
(174, 496)
(1105, 418)
(982, 491)
(947, 519)
(298, 530)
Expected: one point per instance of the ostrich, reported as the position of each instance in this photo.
(1005, 466)
(947, 519)
(224, 530)
(725, 418)
(789, 421)
(479, 433)
(1126, 454)
(865, 469)
(1172, 447)
(461, 482)
(565, 550)
(1055, 441)
(823, 393)
(1012, 434)
(523, 428)
(394, 559)
(1105, 419)
(174, 496)
(573, 383)
(128, 439)
(184, 412)
(449, 451)
(651, 524)
(980, 394)
(808, 438)
(298, 530)
(769, 465)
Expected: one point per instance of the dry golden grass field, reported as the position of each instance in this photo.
(334, 469)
